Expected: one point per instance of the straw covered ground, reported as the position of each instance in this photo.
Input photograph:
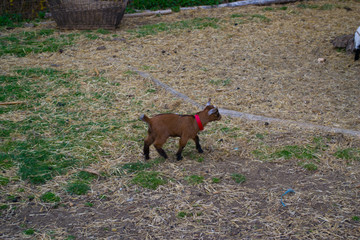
(84, 102)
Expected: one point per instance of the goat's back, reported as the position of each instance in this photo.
(171, 124)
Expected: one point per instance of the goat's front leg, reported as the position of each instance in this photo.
(182, 144)
(197, 142)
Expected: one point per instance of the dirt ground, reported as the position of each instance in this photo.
(249, 64)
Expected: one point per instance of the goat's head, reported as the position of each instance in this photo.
(212, 112)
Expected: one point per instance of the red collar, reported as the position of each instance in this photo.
(199, 122)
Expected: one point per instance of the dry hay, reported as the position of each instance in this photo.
(295, 88)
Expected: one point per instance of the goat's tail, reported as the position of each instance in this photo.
(145, 118)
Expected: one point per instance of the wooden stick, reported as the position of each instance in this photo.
(232, 4)
(10, 103)
(149, 13)
(248, 116)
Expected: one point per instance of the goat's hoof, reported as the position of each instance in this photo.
(200, 150)
(179, 158)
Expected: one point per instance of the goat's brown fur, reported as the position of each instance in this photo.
(163, 126)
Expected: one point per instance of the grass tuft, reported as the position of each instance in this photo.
(77, 188)
(348, 154)
(49, 197)
(238, 178)
(135, 167)
(310, 166)
(23, 43)
(194, 179)
(29, 231)
(151, 180)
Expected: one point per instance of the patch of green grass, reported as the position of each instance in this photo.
(11, 20)
(246, 18)
(151, 90)
(356, 218)
(92, 36)
(12, 198)
(31, 197)
(260, 136)
(348, 154)
(175, 9)
(51, 136)
(29, 231)
(215, 180)
(77, 188)
(309, 166)
(133, 167)
(295, 151)
(150, 180)
(4, 207)
(103, 197)
(238, 178)
(86, 176)
(260, 154)
(196, 23)
(326, 7)
(260, 17)
(274, 9)
(194, 179)
(129, 73)
(23, 43)
(147, 68)
(103, 31)
(220, 82)
(15, 89)
(183, 214)
(269, 9)
(37, 159)
(4, 181)
(49, 197)
(200, 159)
(70, 237)
(137, 166)
(89, 204)
(307, 6)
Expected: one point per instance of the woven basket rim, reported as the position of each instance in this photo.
(87, 15)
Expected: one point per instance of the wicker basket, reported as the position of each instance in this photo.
(87, 14)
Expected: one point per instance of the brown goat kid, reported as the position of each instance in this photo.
(163, 126)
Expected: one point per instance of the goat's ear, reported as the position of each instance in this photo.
(209, 102)
(212, 111)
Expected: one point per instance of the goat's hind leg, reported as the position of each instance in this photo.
(197, 142)
(158, 146)
(147, 142)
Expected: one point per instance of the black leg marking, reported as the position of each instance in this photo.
(178, 156)
(162, 152)
(198, 146)
(146, 151)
